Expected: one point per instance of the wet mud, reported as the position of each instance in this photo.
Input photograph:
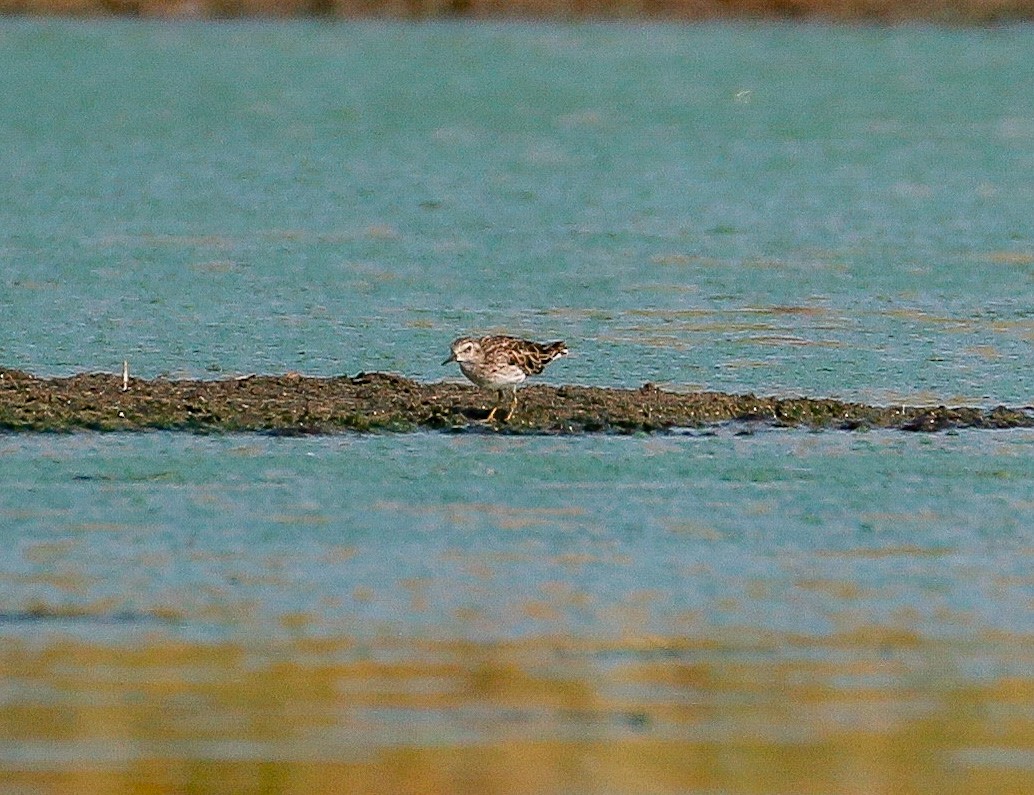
(293, 404)
(958, 12)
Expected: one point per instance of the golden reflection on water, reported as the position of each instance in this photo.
(869, 711)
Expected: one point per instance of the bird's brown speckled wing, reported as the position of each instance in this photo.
(531, 357)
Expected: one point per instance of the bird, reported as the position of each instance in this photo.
(500, 362)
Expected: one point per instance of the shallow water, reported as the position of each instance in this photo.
(684, 604)
(772, 209)
(786, 532)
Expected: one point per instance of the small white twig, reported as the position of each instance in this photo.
(125, 375)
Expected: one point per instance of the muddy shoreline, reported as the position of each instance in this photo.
(293, 404)
(957, 12)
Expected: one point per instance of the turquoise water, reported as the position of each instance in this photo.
(773, 209)
(784, 533)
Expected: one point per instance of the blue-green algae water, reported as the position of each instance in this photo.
(777, 209)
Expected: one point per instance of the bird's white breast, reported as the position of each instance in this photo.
(496, 377)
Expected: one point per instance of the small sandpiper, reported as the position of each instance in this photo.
(500, 362)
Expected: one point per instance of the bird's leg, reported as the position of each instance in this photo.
(513, 406)
(495, 408)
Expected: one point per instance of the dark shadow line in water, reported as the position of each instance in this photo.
(121, 617)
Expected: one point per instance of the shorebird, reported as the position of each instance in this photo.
(500, 362)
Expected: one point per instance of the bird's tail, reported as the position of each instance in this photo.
(555, 350)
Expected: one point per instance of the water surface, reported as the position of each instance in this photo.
(776, 209)
(687, 608)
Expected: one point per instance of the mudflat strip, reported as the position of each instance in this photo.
(975, 12)
(295, 404)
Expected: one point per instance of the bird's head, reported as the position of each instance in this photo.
(465, 349)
